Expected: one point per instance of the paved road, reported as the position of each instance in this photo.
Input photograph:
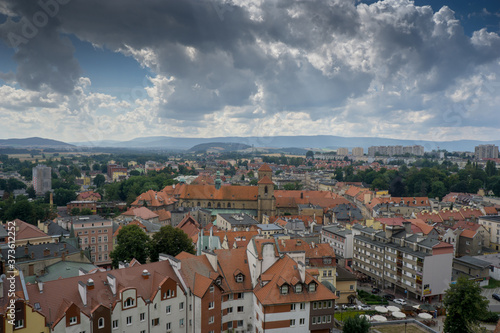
(494, 304)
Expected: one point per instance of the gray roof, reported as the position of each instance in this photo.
(492, 218)
(3, 232)
(38, 249)
(338, 231)
(239, 219)
(269, 227)
(344, 275)
(493, 259)
(471, 261)
(62, 269)
(429, 242)
(55, 229)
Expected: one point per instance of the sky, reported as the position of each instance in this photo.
(119, 69)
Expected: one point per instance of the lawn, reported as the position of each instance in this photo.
(492, 284)
(399, 328)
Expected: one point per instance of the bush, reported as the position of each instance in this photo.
(489, 317)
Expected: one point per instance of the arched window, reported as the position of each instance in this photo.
(100, 323)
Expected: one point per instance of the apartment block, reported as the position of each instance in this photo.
(341, 240)
(42, 179)
(95, 233)
(357, 151)
(408, 263)
(492, 224)
(485, 151)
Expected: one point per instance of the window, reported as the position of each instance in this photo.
(93, 240)
(298, 288)
(230, 310)
(181, 306)
(106, 239)
(229, 325)
(292, 307)
(292, 322)
(211, 320)
(19, 323)
(210, 305)
(73, 320)
(240, 309)
(168, 326)
(114, 324)
(284, 289)
(239, 278)
(99, 239)
(129, 302)
(142, 316)
(302, 306)
(155, 322)
(143, 331)
(241, 295)
(351, 287)
(100, 322)
(312, 287)
(181, 322)
(240, 323)
(231, 297)
(212, 289)
(167, 309)
(302, 321)
(129, 320)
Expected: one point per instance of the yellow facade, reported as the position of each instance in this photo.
(34, 322)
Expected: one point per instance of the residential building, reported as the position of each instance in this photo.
(346, 286)
(96, 234)
(472, 267)
(485, 151)
(341, 241)
(116, 172)
(235, 222)
(142, 298)
(407, 263)
(357, 151)
(342, 151)
(492, 224)
(42, 179)
(88, 196)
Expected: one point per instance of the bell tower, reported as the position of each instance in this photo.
(266, 200)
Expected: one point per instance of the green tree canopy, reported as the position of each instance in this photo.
(464, 305)
(99, 180)
(132, 243)
(356, 324)
(170, 240)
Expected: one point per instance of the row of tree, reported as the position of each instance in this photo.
(435, 181)
(134, 243)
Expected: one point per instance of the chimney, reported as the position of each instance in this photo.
(64, 245)
(407, 226)
(145, 274)
(63, 256)
(112, 283)
(90, 284)
(212, 258)
(302, 271)
(82, 290)
(40, 286)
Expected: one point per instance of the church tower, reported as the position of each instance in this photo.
(266, 200)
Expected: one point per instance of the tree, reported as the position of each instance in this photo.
(75, 211)
(464, 305)
(170, 240)
(491, 169)
(132, 243)
(356, 325)
(86, 211)
(63, 196)
(99, 180)
(310, 154)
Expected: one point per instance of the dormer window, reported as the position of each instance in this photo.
(129, 302)
(298, 288)
(218, 281)
(239, 278)
(312, 287)
(284, 289)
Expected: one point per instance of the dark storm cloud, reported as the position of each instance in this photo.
(287, 56)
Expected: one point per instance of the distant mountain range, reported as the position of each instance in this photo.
(34, 142)
(304, 142)
(273, 143)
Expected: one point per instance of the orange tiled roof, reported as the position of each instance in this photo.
(468, 233)
(203, 179)
(233, 262)
(142, 212)
(197, 272)
(190, 226)
(163, 215)
(285, 271)
(248, 193)
(154, 199)
(241, 238)
(265, 168)
(64, 292)
(426, 229)
(265, 180)
(490, 211)
(27, 231)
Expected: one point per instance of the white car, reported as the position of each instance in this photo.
(364, 307)
(400, 301)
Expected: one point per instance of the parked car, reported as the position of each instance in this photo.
(496, 296)
(375, 291)
(389, 297)
(364, 307)
(349, 307)
(400, 301)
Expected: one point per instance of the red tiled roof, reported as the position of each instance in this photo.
(265, 168)
(27, 231)
(142, 212)
(265, 180)
(190, 226)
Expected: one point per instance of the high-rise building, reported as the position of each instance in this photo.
(357, 151)
(42, 179)
(486, 151)
(342, 151)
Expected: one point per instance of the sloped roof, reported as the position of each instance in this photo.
(265, 180)
(189, 225)
(197, 272)
(285, 270)
(27, 231)
(193, 192)
(231, 263)
(265, 168)
(142, 212)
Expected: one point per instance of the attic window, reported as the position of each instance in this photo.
(284, 289)
(312, 287)
(240, 278)
(298, 288)
(129, 302)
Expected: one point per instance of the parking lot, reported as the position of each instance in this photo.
(494, 304)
